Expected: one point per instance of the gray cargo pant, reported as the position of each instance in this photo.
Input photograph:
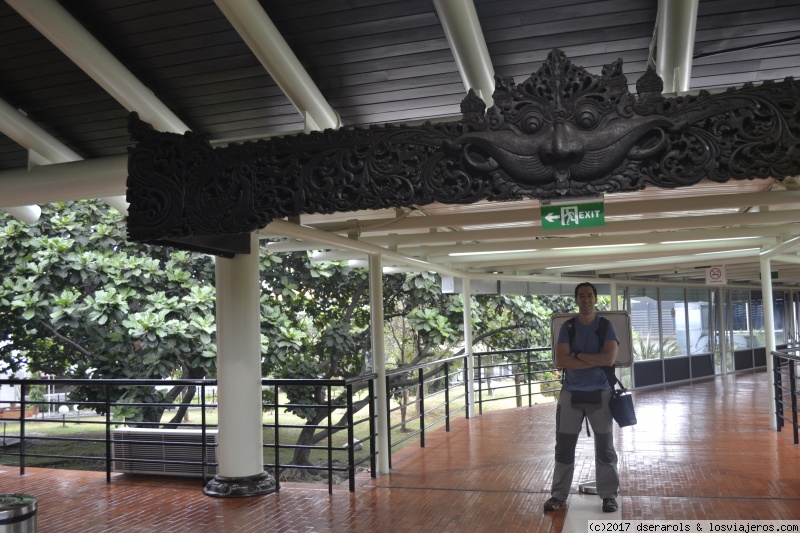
(568, 426)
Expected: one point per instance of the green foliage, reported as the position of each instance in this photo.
(78, 300)
(647, 347)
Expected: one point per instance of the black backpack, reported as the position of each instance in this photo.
(602, 327)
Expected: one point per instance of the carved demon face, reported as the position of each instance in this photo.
(561, 125)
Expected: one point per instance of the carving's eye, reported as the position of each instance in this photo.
(586, 117)
(531, 122)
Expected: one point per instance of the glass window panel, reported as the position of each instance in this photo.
(780, 300)
(673, 322)
(744, 313)
(699, 321)
(645, 323)
(755, 335)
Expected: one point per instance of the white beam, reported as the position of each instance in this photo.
(677, 20)
(463, 30)
(90, 178)
(297, 231)
(47, 149)
(28, 214)
(529, 215)
(628, 240)
(619, 253)
(66, 33)
(631, 266)
(271, 49)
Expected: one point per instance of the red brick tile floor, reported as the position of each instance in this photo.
(700, 451)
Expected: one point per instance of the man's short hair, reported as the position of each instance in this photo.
(585, 284)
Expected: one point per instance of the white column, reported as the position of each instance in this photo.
(769, 333)
(614, 299)
(379, 359)
(465, 294)
(240, 438)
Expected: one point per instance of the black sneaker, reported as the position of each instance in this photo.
(553, 504)
(609, 505)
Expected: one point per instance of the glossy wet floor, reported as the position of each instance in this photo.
(701, 451)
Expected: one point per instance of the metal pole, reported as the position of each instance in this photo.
(465, 293)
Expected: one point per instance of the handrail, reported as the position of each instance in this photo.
(444, 382)
(785, 363)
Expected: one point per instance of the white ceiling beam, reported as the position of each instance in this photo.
(781, 247)
(633, 265)
(59, 27)
(289, 229)
(265, 41)
(738, 234)
(532, 215)
(677, 20)
(28, 214)
(588, 256)
(463, 31)
(657, 226)
(91, 178)
(48, 150)
(67, 34)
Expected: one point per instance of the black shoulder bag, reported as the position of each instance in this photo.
(621, 402)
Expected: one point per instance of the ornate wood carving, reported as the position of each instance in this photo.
(562, 132)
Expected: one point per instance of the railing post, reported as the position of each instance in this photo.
(107, 388)
(276, 438)
(388, 423)
(421, 394)
(466, 385)
(530, 378)
(372, 443)
(203, 448)
(330, 440)
(22, 429)
(351, 452)
(447, 396)
(793, 389)
(479, 372)
(778, 386)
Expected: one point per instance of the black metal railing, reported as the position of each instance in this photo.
(440, 389)
(312, 428)
(529, 372)
(345, 399)
(784, 368)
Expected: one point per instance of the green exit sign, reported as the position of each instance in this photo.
(573, 216)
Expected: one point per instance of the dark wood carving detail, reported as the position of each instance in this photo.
(563, 132)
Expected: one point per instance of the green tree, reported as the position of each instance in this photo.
(78, 300)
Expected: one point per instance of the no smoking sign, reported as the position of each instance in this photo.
(715, 275)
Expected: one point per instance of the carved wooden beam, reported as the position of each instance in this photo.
(562, 132)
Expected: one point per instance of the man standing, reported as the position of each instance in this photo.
(582, 354)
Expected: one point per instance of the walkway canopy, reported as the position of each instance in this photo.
(514, 115)
(73, 71)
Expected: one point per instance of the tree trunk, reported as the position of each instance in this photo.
(404, 411)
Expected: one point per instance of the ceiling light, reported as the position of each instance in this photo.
(731, 251)
(599, 246)
(492, 252)
(726, 239)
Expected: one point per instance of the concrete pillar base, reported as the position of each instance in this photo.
(240, 487)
